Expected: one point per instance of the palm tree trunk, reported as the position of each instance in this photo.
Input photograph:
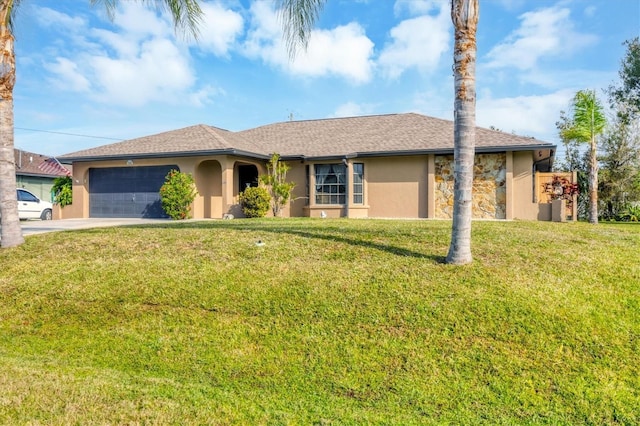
(10, 232)
(464, 14)
(593, 182)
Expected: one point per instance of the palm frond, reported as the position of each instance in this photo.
(298, 18)
(588, 118)
(12, 8)
(186, 14)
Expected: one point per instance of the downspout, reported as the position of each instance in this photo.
(346, 191)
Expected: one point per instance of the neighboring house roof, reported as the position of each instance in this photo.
(392, 134)
(27, 164)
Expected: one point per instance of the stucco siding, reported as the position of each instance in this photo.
(297, 174)
(524, 206)
(397, 186)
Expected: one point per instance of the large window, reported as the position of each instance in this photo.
(358, 183)
(331, 183)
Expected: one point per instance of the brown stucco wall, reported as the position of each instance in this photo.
(298, 202)
(397, 186)
(524, 205)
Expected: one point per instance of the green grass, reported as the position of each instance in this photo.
(330, 322)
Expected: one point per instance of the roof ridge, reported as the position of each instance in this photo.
(213, 131)
(335, 118)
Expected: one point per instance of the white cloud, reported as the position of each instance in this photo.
(158, 73)
(352, 109)
(220, 29)
(544, 32)
(139, 21)
(137, 63)
(524, 115)
(344, 51)
(47, 17)
(68, 75)
(205, 95)
(418, 42)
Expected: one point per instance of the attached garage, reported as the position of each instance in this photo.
(127, 191)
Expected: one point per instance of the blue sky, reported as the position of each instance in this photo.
(81, 74)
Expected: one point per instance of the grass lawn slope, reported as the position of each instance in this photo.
(327, 322)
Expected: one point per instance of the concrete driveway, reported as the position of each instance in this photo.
(30, 227)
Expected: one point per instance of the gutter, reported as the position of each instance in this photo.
(228, 151)
(440, 151)
(257, 156)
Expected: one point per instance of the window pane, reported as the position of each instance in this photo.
(358, 186)
(330, 183)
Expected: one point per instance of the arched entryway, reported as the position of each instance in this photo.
(208, 202)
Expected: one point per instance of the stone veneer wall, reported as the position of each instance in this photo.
(489, 186)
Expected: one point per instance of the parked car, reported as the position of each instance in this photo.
(31, 207)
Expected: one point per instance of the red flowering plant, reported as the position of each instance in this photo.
(560, 188)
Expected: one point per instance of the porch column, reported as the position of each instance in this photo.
(509, 186)
(228, 200)
(431, 186)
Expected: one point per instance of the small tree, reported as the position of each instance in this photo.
(277, 185)
(177, 194)
(587, 123)
(62, 190)
(255, 201)
(576, 160)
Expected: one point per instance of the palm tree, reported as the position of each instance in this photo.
(299, 17)
(464, 15)
(587, 123)
(186, 15)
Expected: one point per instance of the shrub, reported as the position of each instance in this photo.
(177, 194)
(255, 201)
(63, 191)
(630, 214)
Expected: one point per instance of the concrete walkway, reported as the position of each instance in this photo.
(30, 227)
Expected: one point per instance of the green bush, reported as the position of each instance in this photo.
(255, 201)
(177, 194)
(630, 214)
(63, 191)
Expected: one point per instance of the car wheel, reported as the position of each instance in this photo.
(46, 215)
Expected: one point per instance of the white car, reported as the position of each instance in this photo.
(31, 207)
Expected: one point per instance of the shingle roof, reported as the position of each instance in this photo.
(27, 164)
(335, 137)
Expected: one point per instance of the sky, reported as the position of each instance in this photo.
(84, 80)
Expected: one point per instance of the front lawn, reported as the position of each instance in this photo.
(324, 322)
